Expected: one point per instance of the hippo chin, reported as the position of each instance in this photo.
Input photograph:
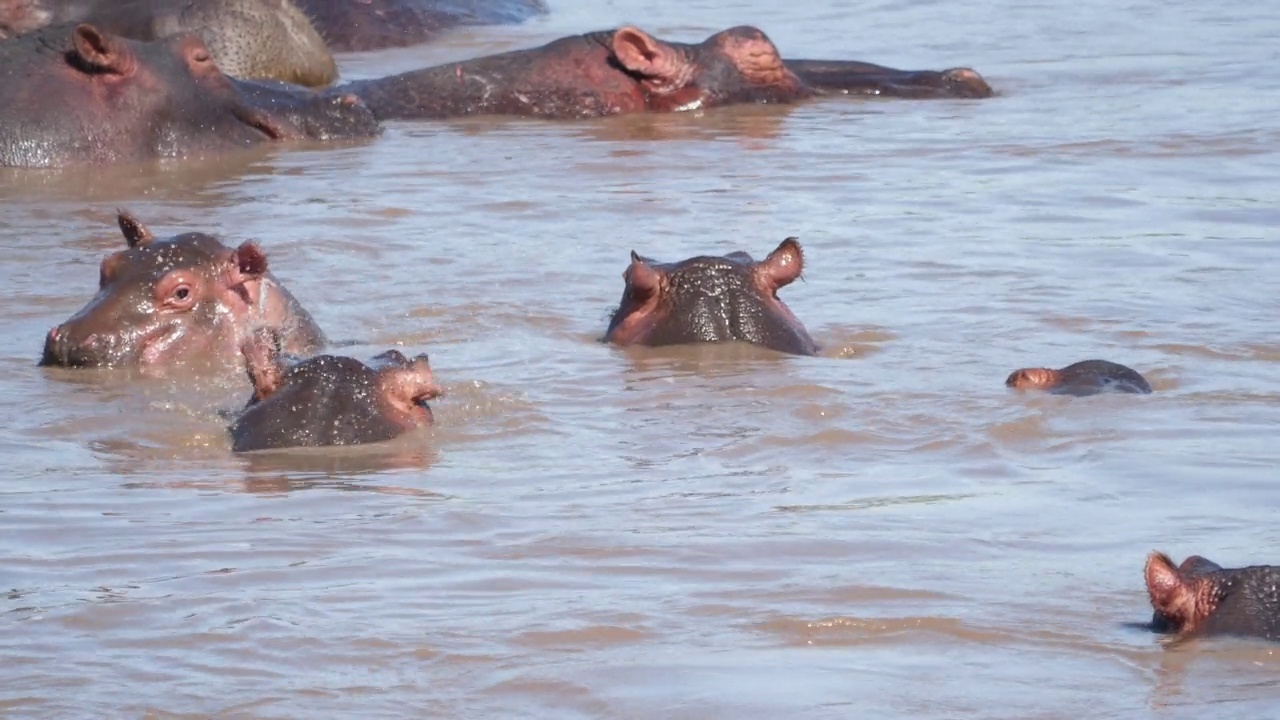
(1201, 598)
(330, 400)
(627, 70)
(712, 299)
(1088, 377)
(186, 298)
(72, 96)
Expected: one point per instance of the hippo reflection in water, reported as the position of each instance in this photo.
(712, 299)
(1088, 377)
(162, 302)
(330, 400)
(1201, 598)
(80, 95)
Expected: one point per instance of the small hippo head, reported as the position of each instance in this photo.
(738, 65)
(330, 400)
(162, 302)
(1201, 598)
(1088, 377)
(712, 299)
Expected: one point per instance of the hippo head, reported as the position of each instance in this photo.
(1087, 377)
(1201, 598)
(101, 98)
(161, 302)
(738, 65)
(330, 400)
(712, 299)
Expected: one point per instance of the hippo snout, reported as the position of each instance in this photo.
(967, 83)
(61, 349)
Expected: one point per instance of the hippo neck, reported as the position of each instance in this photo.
(544, 82)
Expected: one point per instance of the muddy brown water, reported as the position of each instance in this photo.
(881, 531)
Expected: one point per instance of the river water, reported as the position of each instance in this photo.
(880, 531)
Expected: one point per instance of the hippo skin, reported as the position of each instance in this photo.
(627, 70)
(712, 299)
(1087, 377)
(1201, 598)
(80, 96)
(355, 25)
(165, 302)
(330, 400)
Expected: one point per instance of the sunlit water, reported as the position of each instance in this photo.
(880, 531)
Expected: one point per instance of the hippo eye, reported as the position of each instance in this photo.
(200, 56)
(182, 293)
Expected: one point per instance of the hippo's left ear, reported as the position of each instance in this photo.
(1170, 592)
(135, 233)
(641, 278)
(102, 52)
(261, 352)
(783, 265)
(641, 53)
(249, 261)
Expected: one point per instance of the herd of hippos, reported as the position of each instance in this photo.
(93, 82)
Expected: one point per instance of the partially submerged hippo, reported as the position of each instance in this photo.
(79, 95)
(330, 400)
(351, 25)
(189, 297)
(712, 299)
(1202, 598)
(1088, 377)
(627, 70)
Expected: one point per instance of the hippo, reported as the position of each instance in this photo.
(712, 299)
(166, 302)
(1200, 598)
(627, 70)
(329, 399)
(1087, 377)
(78, 95)
(356, 25)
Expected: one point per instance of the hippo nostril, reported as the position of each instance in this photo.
(91, 340)
(54, 332)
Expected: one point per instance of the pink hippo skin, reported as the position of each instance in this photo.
(329, 399)
(712, 299)
(167, 302)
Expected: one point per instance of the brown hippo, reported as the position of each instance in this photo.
(712, 299)
(352, 25)
(1088, 377)
(1201, 598)
(166, 302)
(78, 95)
(330, 400)
(627, 70)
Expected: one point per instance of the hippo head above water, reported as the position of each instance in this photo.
(165, 302)
(80, 96)
(1087, 377)
(1201, 598)
(330, 400)
(628, 70)
(712, 299)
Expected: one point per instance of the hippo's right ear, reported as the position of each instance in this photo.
(261, 352)
(1171, 593)
(641, 278)
(135, 233)
(101, 52)
(249, 260)
(641, 53)
(783, 265)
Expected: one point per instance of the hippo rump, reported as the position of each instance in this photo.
(328, 399)
(77, 95)
(1201, 598)
(1087, 377)
(627, 70)
(166, 302)
(712, 299)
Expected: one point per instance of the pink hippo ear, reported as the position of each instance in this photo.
(1171, 593)
(248, 261)
(783, 265)
(261, 352)
(101, 52)
(641, 53)
(135, 233)
(641, 278)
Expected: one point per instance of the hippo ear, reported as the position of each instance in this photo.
(261, 352)
(783, 265)
(1171, 593)
(249, 260)
(101, 52)
(135, 233)
(641, 53)
(641, 277)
